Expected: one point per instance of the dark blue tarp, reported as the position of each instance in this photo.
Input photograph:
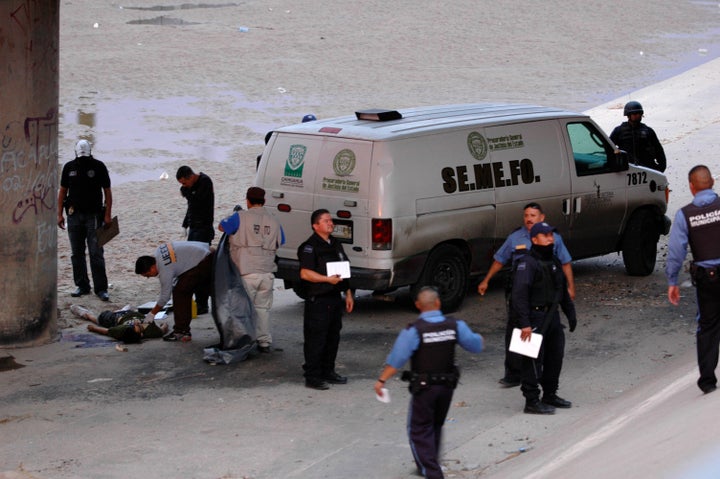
(232, 311)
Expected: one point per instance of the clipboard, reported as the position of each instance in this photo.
(526, 348)
(107, 232)
(341, 268)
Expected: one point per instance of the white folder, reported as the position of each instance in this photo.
(526, 348)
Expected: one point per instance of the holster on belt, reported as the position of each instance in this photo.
(420, 381)
(702, 275)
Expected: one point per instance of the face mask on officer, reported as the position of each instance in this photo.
(543, 244)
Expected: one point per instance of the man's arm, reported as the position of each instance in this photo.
(567, 270)
(349, 301)
(62, 194)
(315, 277)
(108, 205)
(494, 268)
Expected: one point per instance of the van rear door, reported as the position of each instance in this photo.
(342, 186)
(302, 173)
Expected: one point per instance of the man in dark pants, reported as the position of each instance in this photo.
(324, 305)
(517, 244)
(184, 268)
(698, 224)
(639, 140)
(429, 343)
(197, 189)
(83, 184)
(539, 286)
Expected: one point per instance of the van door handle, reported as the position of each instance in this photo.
(566, 207)
(578, 204)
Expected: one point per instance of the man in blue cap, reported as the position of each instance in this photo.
(539, 286)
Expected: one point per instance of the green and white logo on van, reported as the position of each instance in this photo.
(344, 162)
(296, 161)
(477, 145)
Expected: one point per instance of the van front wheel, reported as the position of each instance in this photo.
(639, 248)
(447, 270)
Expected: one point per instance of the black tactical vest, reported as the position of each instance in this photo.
(703, 224)
(436, 353)
(547, 283)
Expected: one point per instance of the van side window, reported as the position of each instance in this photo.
(590, 151)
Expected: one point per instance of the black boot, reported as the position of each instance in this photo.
(535, 406)
(557, 401)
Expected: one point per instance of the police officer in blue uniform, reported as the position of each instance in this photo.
(539, 287)
(698, 224)
(429, 343)
(322, 320)
(518, 243)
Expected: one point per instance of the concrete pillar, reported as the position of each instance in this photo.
(29, 59)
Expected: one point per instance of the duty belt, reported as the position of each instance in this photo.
(540, 308)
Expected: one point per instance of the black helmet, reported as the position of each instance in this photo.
(633, 107)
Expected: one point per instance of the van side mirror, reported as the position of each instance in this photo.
(618, 161)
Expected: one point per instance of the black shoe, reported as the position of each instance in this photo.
(103, 296)
(202, 310)
(708, 389)
(509, 382)
(557, 401)
(537, 407)
(79, 292)
(335, 378)
(265, 349)
(174, 337)
(318, 384)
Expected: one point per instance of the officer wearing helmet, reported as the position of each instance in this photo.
(639, 140)
(86, 198)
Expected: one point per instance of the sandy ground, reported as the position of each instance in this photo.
(155, 86)
(158, 86)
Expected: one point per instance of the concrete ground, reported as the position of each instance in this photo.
(158, 411)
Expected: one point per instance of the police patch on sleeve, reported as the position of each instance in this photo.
(307, 248)
(522, 266)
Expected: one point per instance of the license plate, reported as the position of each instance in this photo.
(343, 231)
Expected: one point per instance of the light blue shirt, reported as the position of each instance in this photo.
(408, 340)
(521, 236)
(677, 245)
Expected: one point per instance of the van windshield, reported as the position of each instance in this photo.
(590, 151)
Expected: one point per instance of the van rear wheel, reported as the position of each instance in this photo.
(448, 270)
(639, 248)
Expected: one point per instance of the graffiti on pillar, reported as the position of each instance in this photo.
(28, 17)
(28, 165)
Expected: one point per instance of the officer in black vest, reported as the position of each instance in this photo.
(698, 224)
(539, 287)
(322, 320)
(429, 343)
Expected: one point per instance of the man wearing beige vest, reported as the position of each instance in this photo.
(254, 236)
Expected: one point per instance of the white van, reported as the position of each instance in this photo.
(426, 195)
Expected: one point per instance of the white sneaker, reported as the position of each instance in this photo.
(79, 311)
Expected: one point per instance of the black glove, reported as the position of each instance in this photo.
(572, 322)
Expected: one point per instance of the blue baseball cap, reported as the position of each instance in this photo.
(309, 117)
(541, 228)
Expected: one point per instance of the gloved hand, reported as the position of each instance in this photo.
(572, 322)
(149, 318)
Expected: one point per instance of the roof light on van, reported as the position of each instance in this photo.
(330, 129)
(378, 115)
